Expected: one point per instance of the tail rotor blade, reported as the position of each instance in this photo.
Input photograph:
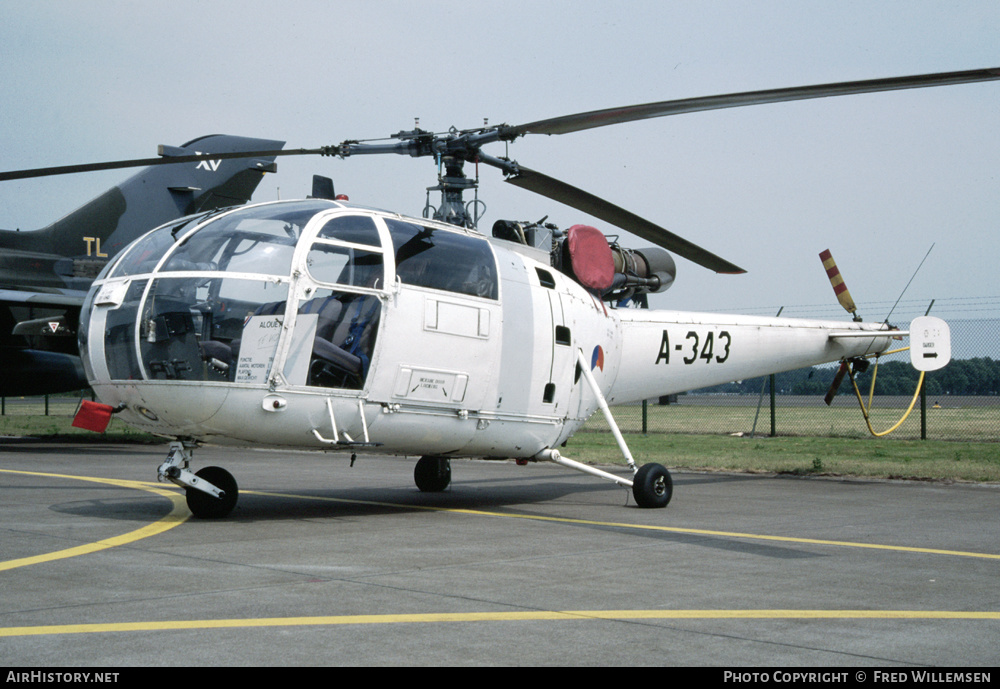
(839, 287)
(835, 385)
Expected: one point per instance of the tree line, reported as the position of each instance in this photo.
(977, 376)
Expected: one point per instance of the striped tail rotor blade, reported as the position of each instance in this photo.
(837, 280)
(835, 385)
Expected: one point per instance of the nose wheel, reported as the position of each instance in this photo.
(206, 505)
(211, 493)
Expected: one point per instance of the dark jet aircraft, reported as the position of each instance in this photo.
(45, 274)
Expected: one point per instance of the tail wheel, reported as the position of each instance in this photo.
(652, 486)
(206, 506)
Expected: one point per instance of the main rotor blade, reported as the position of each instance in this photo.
(619, 217)
(602, 118)
(146, 162)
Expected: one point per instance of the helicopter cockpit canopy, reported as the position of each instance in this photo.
(286, 293)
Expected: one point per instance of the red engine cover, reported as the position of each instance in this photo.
(590, 257)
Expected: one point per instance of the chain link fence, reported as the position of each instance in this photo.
(44, 405)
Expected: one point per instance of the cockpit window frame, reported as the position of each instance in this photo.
(318, 242)
(440, 274)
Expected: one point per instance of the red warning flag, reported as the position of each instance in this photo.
(93, 416)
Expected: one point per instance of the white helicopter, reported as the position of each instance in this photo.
(324, 325)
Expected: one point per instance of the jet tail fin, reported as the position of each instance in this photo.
(153, 196)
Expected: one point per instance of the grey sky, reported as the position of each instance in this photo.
(876, 178)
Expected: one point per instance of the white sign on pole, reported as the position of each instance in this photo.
(930, 343)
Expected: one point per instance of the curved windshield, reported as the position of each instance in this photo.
(143, 256)
(119, 335)
(216, 308)
(258, 239)
(147, 251)
(193, 329)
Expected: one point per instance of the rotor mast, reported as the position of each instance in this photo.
(452, 183)
(452, 151)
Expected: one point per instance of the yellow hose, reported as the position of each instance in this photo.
(871, 393)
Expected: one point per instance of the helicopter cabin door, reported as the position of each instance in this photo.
(442, 324)
(338, 306)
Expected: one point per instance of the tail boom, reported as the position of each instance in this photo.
(667, 352)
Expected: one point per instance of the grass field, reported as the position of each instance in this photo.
(867, 457)
(673, 443)
(26, 417)
(61, 427)
(812, 439)
(972, 419)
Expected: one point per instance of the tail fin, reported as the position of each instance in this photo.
(98, 230)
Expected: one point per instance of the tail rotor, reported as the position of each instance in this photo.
(845, 299)
(839, 287)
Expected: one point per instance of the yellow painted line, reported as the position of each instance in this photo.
(652, 527)
(177, 516)
(521, 616)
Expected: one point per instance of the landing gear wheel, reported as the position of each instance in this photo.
(652, 486)
(205, 506)
(432, 474)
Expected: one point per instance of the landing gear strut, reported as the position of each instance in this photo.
(651, 483)
(211, 493)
